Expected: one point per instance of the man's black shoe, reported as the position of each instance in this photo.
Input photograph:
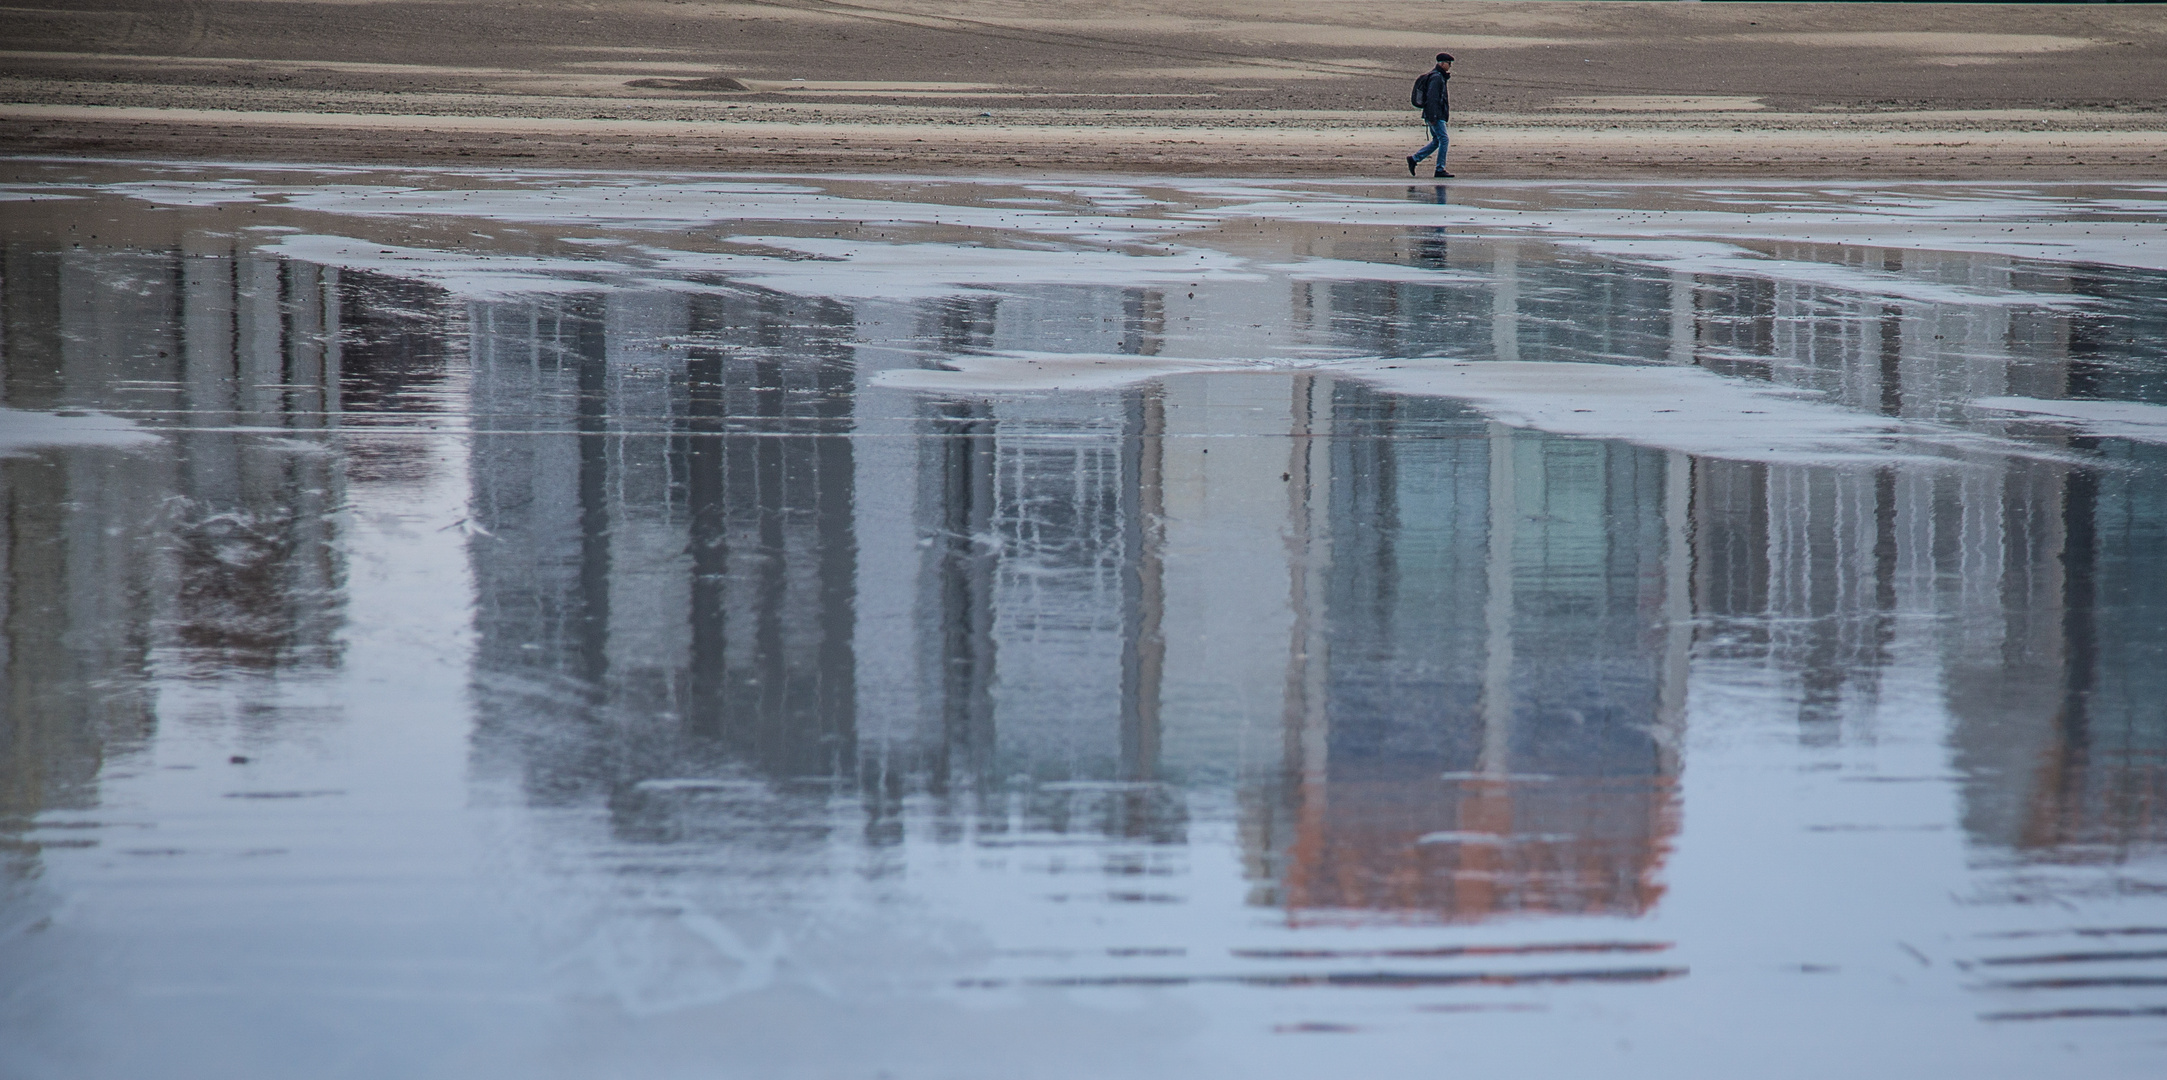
(1411, 163)
(1441, 176)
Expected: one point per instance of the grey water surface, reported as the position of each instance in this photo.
(531, 624)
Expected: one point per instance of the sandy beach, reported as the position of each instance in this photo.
(1274, 88)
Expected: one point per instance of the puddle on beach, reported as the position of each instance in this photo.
(526, 624)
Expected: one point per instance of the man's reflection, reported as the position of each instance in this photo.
(1432, 244)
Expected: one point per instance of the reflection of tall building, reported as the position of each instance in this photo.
(1493, 732)
(2037, 572)
(2101, 788)
(258, 340)
(717, 552)
(2060, 728)
(76, 593)
(1031, 649)
(213, 553)
(2097, 790)
(667, 541)
(670, 574)
(1799, 568)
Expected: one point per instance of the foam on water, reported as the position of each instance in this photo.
(979, 374)
(859, 270)
(646, 205)
(2121, 226)
(473, 274)
(1686, 409)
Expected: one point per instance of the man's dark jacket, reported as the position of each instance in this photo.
(1429, 95)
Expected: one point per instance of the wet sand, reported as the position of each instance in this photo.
(1196, 87)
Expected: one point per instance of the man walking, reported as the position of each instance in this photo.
(1429, 96)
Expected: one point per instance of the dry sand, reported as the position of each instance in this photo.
(1255, 88)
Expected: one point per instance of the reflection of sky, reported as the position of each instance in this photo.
(697, 662)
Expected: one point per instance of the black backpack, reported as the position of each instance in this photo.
(1422, 83)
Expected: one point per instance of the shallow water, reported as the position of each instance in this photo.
(546, 624)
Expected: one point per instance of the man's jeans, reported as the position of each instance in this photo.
(1439, 141)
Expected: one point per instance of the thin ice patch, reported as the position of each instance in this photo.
(1355, 270)
(891, 271)
(1687, 409)
(672, 206)
(23, 431)
(976, 374)
(1670, 408)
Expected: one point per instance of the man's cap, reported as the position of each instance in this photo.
(1445, 56)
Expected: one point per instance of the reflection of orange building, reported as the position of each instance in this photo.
(1489, 678)
(2087, 810)
(2099, 788)
(1464, 849)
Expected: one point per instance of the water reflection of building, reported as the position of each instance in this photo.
(214, 553)
(2060, 729)
(2098, 791)
(77, 561)
(671, 578)
(656, 598)
(690, 576)
(1448, 662)
(1819, 576)
(731, 594)
(2041, 569)
(2100, 788)
(1490, 723)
